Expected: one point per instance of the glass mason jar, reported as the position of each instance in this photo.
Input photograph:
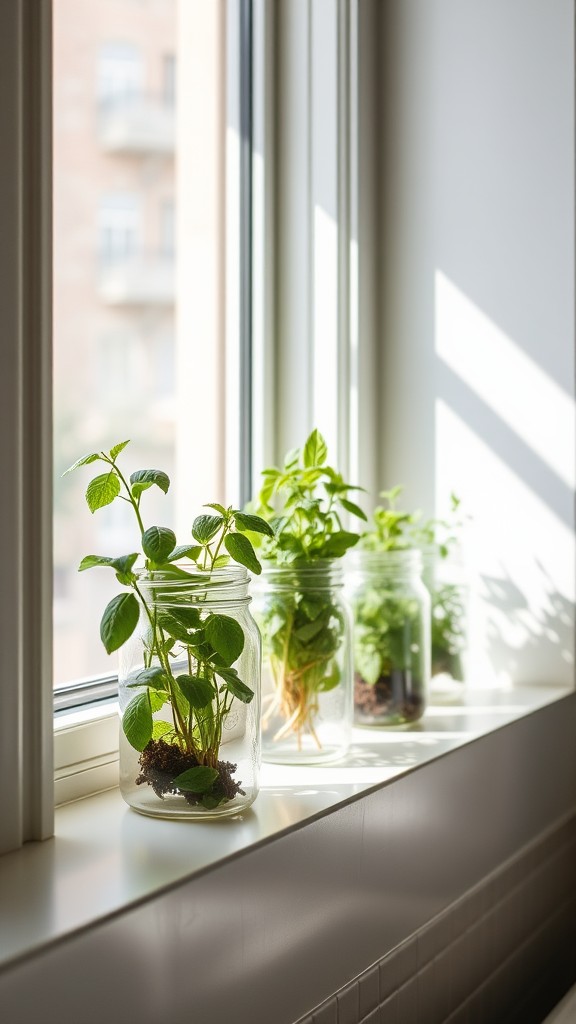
(189, 694)
(449, 589)
(391, 609)
(307, 663)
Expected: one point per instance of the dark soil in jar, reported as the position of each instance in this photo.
(394, 699)
(162, 762)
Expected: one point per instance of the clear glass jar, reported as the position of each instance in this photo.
(307, 663)
(449, 589)
(391, 609)
(189, 695)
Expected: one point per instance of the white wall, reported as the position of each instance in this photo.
(476, 171)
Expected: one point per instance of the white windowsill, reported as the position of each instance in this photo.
(105, 857)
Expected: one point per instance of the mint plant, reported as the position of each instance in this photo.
(389, 642)
(179, 756)
(438, 539)
(305, 502)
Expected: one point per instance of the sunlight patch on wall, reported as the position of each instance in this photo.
(533, 405)
(521, 559)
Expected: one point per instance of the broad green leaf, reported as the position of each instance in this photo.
(242, 551)
(124, 563)
(185, 551)
(117, 449)
(157, 699)
(237, 688)
(217, 507)
(330, 681)
(205, 527)
(315, 450)
(160, 729)
(187, 614)
(196, 780)
(142, 479)
(154, 677)
(198, 691)
(92, 560)
(368, 664)
(158, 542)
(84, 461)
(168, 571)
(221, 561)
(102, 490)
(307, 632)
(226, 636)
(137, 722)
(338, 544)
(354, 509)
(174, 628)
(119, 621)
(247, 521)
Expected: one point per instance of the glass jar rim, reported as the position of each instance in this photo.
(226, 583)
(403, 560)
(324, 574)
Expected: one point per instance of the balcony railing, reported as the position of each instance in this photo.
(137, 280)
(136, 124)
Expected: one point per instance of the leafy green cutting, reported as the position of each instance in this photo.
(305, 503)
(179, 632)
(438, 538)
(384, 619)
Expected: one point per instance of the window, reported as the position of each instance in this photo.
(141, 339)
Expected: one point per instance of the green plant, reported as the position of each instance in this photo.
(439, 538)
(181, 755)
(387, 617)
(305, 502)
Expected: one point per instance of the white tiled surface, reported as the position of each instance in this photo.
(105, 857)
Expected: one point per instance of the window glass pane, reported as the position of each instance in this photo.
(137, 177)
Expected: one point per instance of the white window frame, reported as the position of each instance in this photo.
(303, 278)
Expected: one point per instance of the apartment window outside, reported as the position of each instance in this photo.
(137, 333)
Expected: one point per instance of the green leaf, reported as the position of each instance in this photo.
(354, 509)
(330, 681)
(119, 621)
(198, 691)
(185, 551)
(217, 507)
(235, 685)
(246, 521)
(338, 544)
(84, 461)
(137, 722)
(205, 527)
(157, 699)
(196, 780)
(315, 451)
(124, 563)
(154, 677)
(160, 729)
(368, 664)
(102, 490)
(242, 551)
(92, 560)
(142, 479)
(187, 614)
(221, 561)
(174, 628)
(158, 542)
(226, 636)
(117, 449)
